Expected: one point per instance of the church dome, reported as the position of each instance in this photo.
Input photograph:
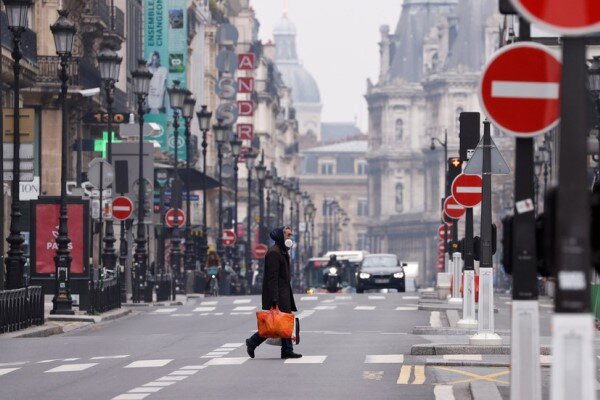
(304, 86)
(285, 26)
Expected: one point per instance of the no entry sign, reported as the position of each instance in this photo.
(441, 231)
(122, 208)
(466, 190)
(452, 209)
(170, 217)
(260, 251)
(568, 17)
(228, 237)
(519, 89)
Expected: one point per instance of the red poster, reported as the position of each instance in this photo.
(46, 231)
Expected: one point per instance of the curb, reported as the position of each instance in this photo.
(484, 390)
(442, 349)
(36, 332)
(446, 330)
(466, 363)
(445, 307)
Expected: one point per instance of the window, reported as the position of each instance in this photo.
(327, 167)
(399, 130)
(361, 168)
(361, 241)
(399, 197)
(458, 111)
(362, 208)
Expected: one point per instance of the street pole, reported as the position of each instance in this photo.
(2, 213)
(249, 226)
(468, 321)
(62, 301)
(485, 332)
(573, 366)
(189, 253)
(204, 117)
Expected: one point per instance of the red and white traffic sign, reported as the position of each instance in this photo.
(452, 209)
(520, 89)
(260, 251)
(122, 208)
(441, 231)
(467, 190)
(568, 17)
(441, 247)
(170, 217)
(228, 237)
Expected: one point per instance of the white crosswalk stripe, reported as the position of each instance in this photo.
(204, 309)
(384, 359)
(242, 301)
(110, 357)
(364, 308)
(376, 297)
(306, 360)
(131, 396)
(209, 303)
(165, 310)
(72, 367)
(309, 298)
(245, 308)
(4, 371)
(227, 361)
(148, 363)
(325, 307)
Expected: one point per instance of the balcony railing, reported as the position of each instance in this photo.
(80, 73)
(101, 10)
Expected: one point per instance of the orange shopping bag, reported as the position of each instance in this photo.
(276, 324)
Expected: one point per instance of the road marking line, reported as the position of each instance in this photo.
(72, 367)
(343, 297)
(201, 309)
(525, 90)
(435, 320)
(209, 303)
(328, 301)
(186, 372)
(210, 356)
(217, 353)
(463, 357)
(305, 298)
(148, 363)
(306, 360)
(410, 297)
(245, 308)
(131, 396)
(155, 384)
(196, 367)
(373, 375)
(181, 315)
(232, 345)
(404, 375)
(384, 359)
(443, 392)
(110, 357)
(419, 375)
(240, 313)
(242, 301)
(364, 308)
(227, 361)
(376, 297)
(325, 307)
(12, 364)
(475, 377)
(407, 308)
(165, 310)
(171, 378)
(5, 371)
(145, 389)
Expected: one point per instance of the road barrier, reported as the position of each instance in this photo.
(105, 295)
(21, 308)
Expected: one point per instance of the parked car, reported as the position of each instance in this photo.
(380, 271)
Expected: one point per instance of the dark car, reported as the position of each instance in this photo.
(380, 271)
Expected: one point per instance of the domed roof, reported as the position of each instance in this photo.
(303, 85)
(285, 26)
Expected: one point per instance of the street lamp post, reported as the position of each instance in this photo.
(109, 64)
(141, 85)
(250, 157)
(444, 144)
(261, 172)
(277, 183)
(177, 97)
(63, 31)
(268, 186)
(220, 137)
(236, 149)
(204, 117)
(17, 12)
(189, 254)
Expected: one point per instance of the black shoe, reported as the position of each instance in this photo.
(290, 354)
(250, 348)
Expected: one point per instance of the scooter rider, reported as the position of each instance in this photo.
(332, 263)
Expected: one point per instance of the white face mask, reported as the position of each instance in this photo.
(289, 243)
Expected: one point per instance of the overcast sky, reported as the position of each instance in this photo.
(338, 43)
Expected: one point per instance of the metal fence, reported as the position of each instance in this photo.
(21, 308)
(105, 295)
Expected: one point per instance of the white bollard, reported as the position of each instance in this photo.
(525, 375)
(485, 335)
(573, 367)
(469, 320)
(457, 262)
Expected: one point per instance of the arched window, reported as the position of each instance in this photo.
(399, 129)
(399, 197)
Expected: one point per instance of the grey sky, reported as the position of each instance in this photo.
(338, 43)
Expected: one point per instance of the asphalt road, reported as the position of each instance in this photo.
(355, 346)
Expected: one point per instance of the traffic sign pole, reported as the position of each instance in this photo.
(468, 320)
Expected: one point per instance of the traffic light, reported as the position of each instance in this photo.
(477, 243)
(469, 123)
(454, 169)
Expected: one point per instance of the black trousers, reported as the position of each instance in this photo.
(286, 344)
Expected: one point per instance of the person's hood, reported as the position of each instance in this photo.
(277, 236)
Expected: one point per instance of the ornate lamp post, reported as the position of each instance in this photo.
(141, 85)
(189, 255)
(261, 173)
(250, 157)
(278, 188)
(268, 186)
(236, 149)
(594, 85)
(109, 64)
(17, 12)
(220, 137)
(63, 31)
(305, 203)
(204, 117)
(311, 211)
(177, 96)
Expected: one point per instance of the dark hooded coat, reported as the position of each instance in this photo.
(277, 285)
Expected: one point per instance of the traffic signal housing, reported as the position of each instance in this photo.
(454, 169)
